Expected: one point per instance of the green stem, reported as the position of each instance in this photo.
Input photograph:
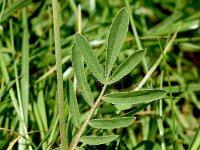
(84, 125)
(172, 108)
(59, 76)
(139, 45)
(160, 119)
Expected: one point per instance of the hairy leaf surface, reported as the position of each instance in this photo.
(112, 123)
(73, 106)
(90, 58)
(116, 37)
(97, 140)
(126, 66)
(78, 65)
(135, 97)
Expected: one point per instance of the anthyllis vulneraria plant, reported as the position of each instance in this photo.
(82, 52)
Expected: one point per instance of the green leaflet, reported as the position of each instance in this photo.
(97, 140)
(90, 58)
(135, 97)
(78, 65)
(111, 123)
(116, 37)
(126, 66)
(73, 106)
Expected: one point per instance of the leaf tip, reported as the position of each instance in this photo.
(123, 10)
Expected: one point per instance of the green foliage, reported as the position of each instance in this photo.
(116, 37)
(78, 66)
(90, 58)
(73, 106)
(126, 66)
(98, 140)
(147, 145)
(148, 74)
(135, 97)
(112, 123)
(195, 144)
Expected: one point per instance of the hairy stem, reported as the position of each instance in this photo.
(61, 105)
(84, 125)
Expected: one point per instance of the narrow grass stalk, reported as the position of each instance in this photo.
(11, 92)
(2, 10)
(61, 105)
(50, 30)
(25, 76)
(160, 123)
(167, 49)
(139, 45)
(172, 109)
(160, 119)
(11, 33)
(25, 66)
(79, 18)
(195, 142)
(161, 132)
(18, 89)
(76, 138)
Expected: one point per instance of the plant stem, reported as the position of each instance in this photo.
(61, 105)
(160, 112)
(84, 125)
(172, 109)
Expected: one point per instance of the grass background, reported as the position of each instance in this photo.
(28, 79)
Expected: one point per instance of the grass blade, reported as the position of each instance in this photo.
(116, 37)
(112, 123)
(39, 122)
(78, 65)
(25, 75)
(14, 7)
(90, 58)
(135, 97)
(195, 142)
(126, 66)
(42, 107)
(97, 140)
(73, 106)
(25, 67)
